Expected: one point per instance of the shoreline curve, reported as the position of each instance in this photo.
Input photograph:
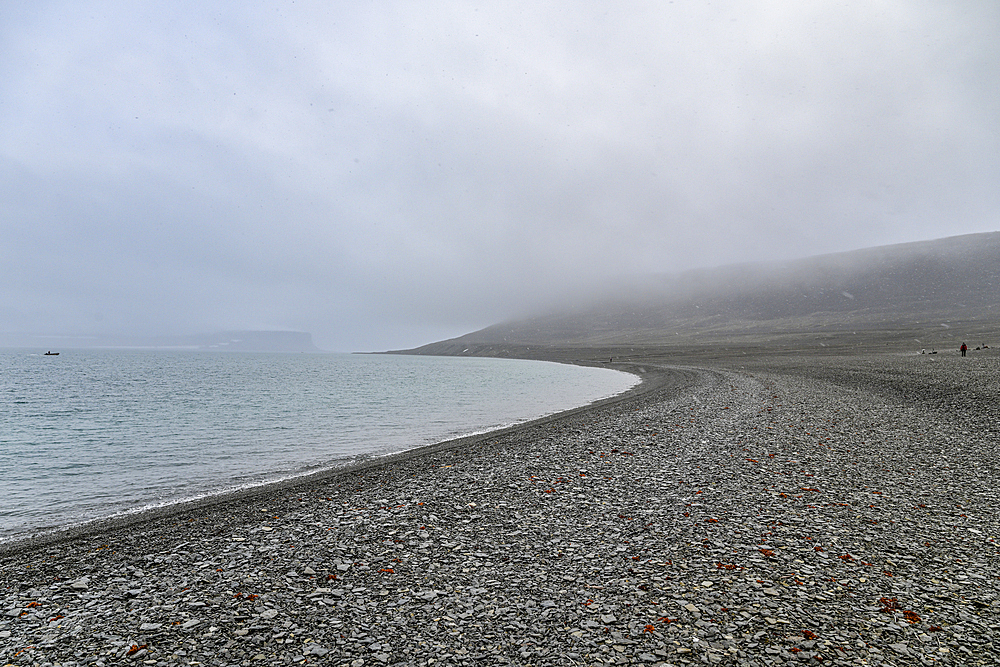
(650, 380)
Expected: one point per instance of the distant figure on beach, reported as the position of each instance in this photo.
(963, 349)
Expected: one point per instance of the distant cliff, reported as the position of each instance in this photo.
(226, 341)
(252, 341)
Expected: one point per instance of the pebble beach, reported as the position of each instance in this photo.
(834, 510)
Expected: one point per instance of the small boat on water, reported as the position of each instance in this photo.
(51, 354)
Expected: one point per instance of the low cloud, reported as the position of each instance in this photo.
(382, 175)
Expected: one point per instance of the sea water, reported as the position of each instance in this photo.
(89, 434)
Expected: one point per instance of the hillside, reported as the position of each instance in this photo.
(921, 294)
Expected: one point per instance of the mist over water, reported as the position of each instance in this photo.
(88, 434)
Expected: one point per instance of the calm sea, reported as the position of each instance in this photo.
(89, 434)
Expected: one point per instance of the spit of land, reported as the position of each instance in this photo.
(835, 510)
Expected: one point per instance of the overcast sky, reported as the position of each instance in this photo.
(383, 174)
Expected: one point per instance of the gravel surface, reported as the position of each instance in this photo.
(805, 511)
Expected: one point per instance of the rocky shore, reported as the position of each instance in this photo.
(828, 510)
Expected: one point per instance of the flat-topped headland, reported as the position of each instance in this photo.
(746, 510)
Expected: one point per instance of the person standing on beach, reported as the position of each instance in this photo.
(963, 349)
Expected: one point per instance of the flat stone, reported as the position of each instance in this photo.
(900, 648)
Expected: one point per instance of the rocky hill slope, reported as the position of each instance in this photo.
(927, 293)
